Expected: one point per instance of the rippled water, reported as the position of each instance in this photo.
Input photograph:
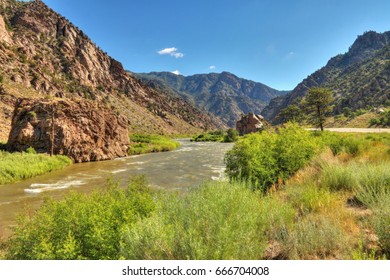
(185, 167)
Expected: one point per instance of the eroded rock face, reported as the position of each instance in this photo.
(4, 35)
(251, 123)
(83, 131)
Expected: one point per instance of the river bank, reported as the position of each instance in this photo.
(189, 165)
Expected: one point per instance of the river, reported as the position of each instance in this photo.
(190, 165)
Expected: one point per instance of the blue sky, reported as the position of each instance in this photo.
(275, 42)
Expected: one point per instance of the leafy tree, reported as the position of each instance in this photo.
(292, 113)
(317, 104)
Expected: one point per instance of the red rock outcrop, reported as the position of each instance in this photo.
(83, 131)
(251, 123)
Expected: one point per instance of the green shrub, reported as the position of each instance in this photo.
(81, 226)
(374, 122)
(254, 159)
(294, 148)
(264, 158)
(230, 136)
(31, 150)
(211, 136)
(216, 221)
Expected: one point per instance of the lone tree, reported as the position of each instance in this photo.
(292, 113)
(317, 103)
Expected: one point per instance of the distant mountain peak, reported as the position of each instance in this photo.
(222, 94)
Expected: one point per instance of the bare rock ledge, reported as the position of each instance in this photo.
(83, 131)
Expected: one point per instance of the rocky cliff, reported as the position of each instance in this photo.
(79, 129)
(224, 95)
(359, 79)
(43, 54)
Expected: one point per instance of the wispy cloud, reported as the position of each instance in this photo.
(176, 72)
(212, 67)
(289, 56)
(171, 51)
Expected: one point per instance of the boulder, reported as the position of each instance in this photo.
(83, 131)
(251, 123)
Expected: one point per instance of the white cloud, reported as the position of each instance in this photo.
(176, 72)
(178, 55)
(167, 51)
(171, 51)
(212, 67)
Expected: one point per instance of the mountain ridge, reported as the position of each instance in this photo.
(359, 78)
(222, 94)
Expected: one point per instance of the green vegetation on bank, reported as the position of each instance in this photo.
(143, 143)
(383, 120)
(228, 136)
(321, 196)
(20, 166)
(81, 226)
(265, 158)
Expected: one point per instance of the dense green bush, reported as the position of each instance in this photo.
(230, 136)
(211, 136)
(81, 226)
(383, 120)
(20, 166)
(264, 158)
(216, 221)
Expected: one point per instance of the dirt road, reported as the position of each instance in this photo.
(361, 130)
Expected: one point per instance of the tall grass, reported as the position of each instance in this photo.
(323, 229)
(381, 223)
(309, 199)
(368, 181)
(21, 166)
(143, 143)
(216, 221)
(317, 237)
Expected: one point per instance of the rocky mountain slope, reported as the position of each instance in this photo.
(224, 95)
(359, 79)
(43, 55)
